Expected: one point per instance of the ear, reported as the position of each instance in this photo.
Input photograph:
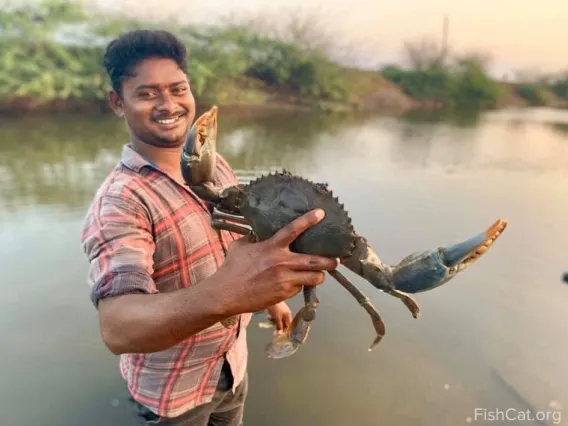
(116, 103)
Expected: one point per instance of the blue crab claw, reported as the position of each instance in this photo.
(428, 270)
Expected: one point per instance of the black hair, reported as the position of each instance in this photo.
(125, 52)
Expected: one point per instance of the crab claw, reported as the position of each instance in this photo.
(565, 277)
(281, 347)
(198, 156)
(428, 270)
(287, 344)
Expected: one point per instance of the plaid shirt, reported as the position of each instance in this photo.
(145, 233)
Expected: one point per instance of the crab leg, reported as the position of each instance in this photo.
(365, 302)
(288, 343)
(217, 214)
(231, 227)
(407, 300)
(365, 263)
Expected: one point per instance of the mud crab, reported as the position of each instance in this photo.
(263, 206)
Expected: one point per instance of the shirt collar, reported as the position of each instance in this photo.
(133, 160)
(136, 162)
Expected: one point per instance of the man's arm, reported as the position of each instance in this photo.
(138, 323)
(134, 317)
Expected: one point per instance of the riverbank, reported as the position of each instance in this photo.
(368, 91)
(365, 91)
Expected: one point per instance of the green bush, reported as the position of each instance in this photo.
(533, 93)
(430, 84)
(560, 87)
(471, 87)
(463, 85)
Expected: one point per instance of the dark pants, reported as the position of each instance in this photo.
(226, 408)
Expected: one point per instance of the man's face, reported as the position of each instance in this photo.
(157, 103)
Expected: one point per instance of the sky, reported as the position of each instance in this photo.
(521, 35)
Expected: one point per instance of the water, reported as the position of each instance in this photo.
(494, 338)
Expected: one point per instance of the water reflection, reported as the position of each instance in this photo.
(461, 117)
(55, 160)
(61, 159)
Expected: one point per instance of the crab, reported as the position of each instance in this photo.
(263, 206)
(565, 277)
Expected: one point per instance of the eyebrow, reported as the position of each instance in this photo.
(156, 86)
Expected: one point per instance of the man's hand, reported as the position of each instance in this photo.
(281, 316)
(258, 275)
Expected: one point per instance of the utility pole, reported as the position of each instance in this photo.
(445, 37)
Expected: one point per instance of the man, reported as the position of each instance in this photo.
(161, 277)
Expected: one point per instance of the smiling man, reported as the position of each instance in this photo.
(161, 278)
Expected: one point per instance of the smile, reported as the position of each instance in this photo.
(170, 120)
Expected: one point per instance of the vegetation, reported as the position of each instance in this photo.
(51, 50)
(534, 94)
(559, 86)
(433, 76)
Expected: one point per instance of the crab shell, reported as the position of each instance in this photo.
(272, 201)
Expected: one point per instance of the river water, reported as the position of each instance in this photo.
(495, 338)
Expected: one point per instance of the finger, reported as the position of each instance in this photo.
(287, 320)
(285, 236)
(308, 262)
(278, 323)
(307, 278)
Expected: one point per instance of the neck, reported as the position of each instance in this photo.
(167, 159)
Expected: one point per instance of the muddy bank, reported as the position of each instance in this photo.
(370, 92)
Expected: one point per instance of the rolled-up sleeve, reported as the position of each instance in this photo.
(117, 239)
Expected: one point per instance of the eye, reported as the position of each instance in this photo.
(147, 94)
(180, 90)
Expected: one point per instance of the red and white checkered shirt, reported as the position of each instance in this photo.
(145, 233)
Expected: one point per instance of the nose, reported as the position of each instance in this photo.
(166, 104)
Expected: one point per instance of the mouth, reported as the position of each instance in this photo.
(169, 121)
(459, 256)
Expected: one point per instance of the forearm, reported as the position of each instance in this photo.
(141, 323)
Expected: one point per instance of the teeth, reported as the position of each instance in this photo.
(169, 120)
